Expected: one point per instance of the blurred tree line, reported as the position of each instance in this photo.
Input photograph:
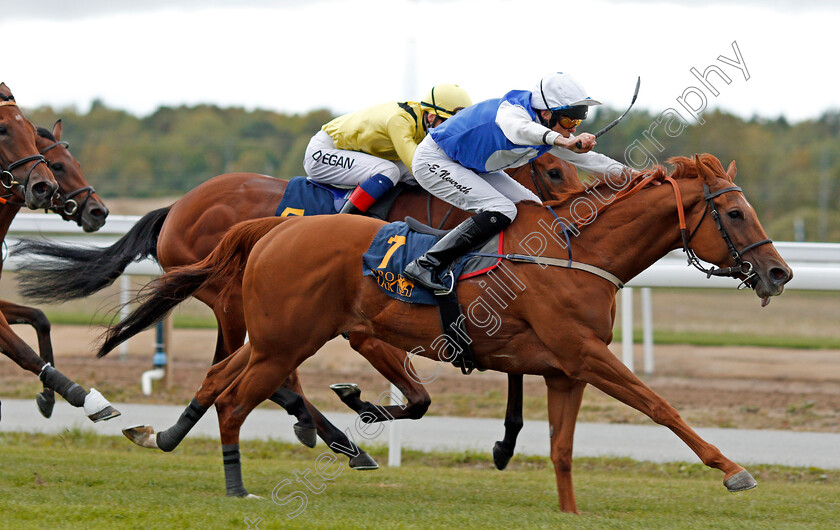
(789, 172)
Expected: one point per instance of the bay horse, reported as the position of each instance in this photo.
(34, 187)
(557, 326)
(188, 230)
(75, 200)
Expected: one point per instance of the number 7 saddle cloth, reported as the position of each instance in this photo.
(396, 245)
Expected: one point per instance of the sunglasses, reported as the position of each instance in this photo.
(568, 123)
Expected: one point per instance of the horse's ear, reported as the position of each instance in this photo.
(4, 90)
(731, 170)
(704, 171)
(57, 130)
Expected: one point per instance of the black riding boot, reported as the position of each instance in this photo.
(426, 269)
(350, 208)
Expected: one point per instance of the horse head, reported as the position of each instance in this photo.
(76, 200)
(729, 233)
(23, 171)
(550, 177)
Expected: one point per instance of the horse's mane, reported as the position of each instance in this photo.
(684, 168)
(44, 133)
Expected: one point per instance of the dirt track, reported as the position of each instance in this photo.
(710, 386)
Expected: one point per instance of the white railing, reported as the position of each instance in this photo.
(816, 266)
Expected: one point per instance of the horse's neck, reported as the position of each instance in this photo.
(625, 238)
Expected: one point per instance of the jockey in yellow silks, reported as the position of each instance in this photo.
(373, 148)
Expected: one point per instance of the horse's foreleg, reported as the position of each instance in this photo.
(564, 398)
(391, 363)
(503, 450)
(96, 407)
(18, 314)
(330, 434)
(602, 369)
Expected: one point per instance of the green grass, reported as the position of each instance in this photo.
(86, 319)
(80, 480)
(699, 338)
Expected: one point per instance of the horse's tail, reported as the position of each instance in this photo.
(222, 266)
(58, 272)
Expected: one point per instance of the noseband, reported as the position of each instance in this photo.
(67, 205)
(7, 180)
(742, 267)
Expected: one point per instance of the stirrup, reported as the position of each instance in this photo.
(451, 276)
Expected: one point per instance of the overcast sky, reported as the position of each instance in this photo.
(295, 56)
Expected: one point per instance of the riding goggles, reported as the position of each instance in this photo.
(568, 123)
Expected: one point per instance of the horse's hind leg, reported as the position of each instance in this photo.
(564, 398)
(18, 314)
(231, 335)
(391, 363)
(260, 378)
(603, 370)
(218, 378)
(330, 434)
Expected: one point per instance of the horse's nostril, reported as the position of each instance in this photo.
(42, 189)
(780, 275)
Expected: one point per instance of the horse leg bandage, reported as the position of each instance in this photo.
(170, 438)
(233, 471)
(73, 393)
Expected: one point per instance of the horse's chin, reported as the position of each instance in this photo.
(764, 292)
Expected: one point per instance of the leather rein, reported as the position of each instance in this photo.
(742, 267)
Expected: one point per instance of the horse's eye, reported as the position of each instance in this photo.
(555, 174)
(3, 130)
(57, 166)
(735, 214)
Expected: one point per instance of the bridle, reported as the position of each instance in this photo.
(742, 268)
(539, 183)
(7, 168)
(66, 204)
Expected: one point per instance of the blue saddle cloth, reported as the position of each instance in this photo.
(306, 197)
(396, 245)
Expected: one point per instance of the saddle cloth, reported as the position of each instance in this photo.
(305, 197)
(396, 245)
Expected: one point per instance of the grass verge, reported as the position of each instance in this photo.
(81, 480)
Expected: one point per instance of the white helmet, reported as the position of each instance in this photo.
(559, 91)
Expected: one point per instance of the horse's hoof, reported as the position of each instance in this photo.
(308, 436)
(363, 462)
(740, 481)
(501, 456)
(98, 408)
(105, 414)
(45, 401)
(142, 435)
(252, 496)
(346, 390)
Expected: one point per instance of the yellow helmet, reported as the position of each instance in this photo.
(445, 100)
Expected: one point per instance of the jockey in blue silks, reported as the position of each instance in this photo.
(462, 161)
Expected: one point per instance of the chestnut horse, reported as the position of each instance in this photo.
(558, 325)
(188, 230)
(36, 187)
